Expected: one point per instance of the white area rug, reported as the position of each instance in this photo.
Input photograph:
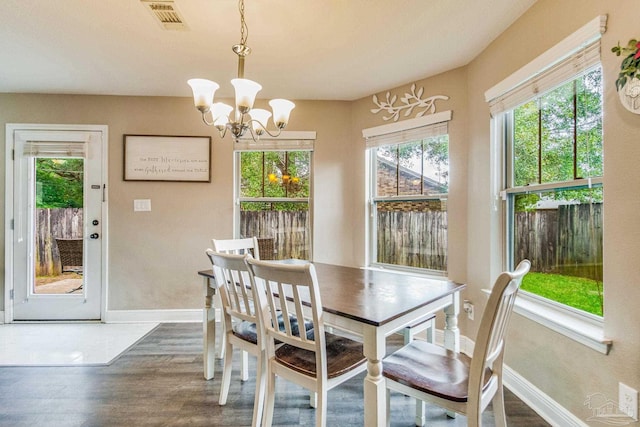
(68, 344)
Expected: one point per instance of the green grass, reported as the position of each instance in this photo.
(576, 292)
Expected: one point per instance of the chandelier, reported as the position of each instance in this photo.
(245, 117)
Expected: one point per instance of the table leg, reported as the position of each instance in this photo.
(208, 331)
(451, 331)
(375, 393)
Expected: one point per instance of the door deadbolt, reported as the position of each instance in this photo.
(95, 222)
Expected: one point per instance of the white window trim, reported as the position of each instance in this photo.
(574, 324)
(571, 44)
(289, 141)
(582, 327)
(404, 125)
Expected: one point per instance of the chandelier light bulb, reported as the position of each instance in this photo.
(281, 111)
(246, 91)
(259, 119)
(203, 93)
(220, 113)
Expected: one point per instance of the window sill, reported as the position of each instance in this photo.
(579, 327)
(432, 274)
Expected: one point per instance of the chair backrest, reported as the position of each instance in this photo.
(234, 283)
(489, 347)
(290, 288)
(237, 246)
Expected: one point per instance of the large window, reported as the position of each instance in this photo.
(554, 190)
(274, 195)
(409, 185)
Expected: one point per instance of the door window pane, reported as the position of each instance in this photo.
(58, 245)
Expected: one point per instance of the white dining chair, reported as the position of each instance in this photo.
(242, 324)
(239, 247)
(318, 361)
(426, 324)
(453, 380)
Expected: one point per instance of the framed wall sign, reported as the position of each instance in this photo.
(167, 158)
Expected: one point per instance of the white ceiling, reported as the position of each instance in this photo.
(301, 49)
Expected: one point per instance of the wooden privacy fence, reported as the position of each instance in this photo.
(413, 238)
(566, 240)
(289, 229)
(65, 223)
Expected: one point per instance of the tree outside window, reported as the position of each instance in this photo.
(274, 191)
(555, 192)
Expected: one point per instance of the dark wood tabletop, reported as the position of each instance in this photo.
(374, 297)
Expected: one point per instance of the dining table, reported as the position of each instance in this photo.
(371, 304)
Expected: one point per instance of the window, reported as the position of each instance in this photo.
(554, 192)
(274, 198)
(408, 187)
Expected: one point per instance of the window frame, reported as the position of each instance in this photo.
(580, 326)
(371, 188)
(287, 141)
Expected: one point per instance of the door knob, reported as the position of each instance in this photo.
(94, 235)
(95, 222)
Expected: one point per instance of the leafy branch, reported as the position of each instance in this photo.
(630, 66)
(409, 102)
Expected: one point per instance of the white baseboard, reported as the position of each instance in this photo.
(545, 406)
(536, 399)
(155, 316)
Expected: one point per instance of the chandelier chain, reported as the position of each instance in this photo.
(244, 29)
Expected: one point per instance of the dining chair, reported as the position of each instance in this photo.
(453, 380)
(242, 323)
(318, 361)
(426, 324)
(235, 246)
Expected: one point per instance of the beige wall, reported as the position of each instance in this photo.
(452, 84)
(562, 368)
(154, 256)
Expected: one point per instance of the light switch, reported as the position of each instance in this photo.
(142, 205)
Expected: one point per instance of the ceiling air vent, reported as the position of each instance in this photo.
(166, 14)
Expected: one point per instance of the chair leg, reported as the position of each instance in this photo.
(321, 410)
(226, 373)
(261, 379)
(408, 337)
(220, 326)
(313, 399)
(498, 408)
(388, 420)
(420, 413)
(267, 417)
(244, 368)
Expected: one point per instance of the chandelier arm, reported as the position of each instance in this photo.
(204, 119)
(222, 132)
(273, 135)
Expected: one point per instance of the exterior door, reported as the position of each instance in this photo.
(58, 200)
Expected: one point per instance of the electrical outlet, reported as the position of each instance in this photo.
(628, 401)
(468, 308)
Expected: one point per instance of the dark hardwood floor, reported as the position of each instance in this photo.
(159, 382)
